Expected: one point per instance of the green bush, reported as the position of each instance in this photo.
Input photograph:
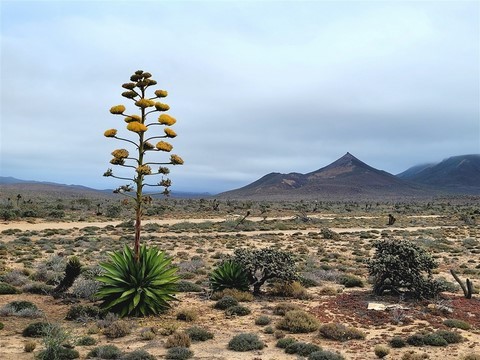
(283, 308)
(105, 352)
(434, 339)
(459, 324)
(83, 312)
(179, 353)
(416, 340)
(55, 340)
(38, 329)
(138, 355)
(198, 334)
(263, 320)
(138, 288)
(62, 353)
(86, 341)
(2, 325)
(237, 310)
(350, 281)
(7, 289)
(450, 337)
(226, 302)
(381, 351)
(298, 321)
(285, 342)
(229, 275)
(245, 342)
(397, 342)
(188, 286)
(301, 348)
(340, 332)
(402, 266)
(266, 264)
(325, 355)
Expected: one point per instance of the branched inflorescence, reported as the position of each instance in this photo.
(143, 144)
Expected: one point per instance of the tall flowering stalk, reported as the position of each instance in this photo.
(142, 145)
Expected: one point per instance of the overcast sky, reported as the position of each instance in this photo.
(256, 86)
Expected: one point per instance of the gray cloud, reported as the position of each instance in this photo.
(256, 86)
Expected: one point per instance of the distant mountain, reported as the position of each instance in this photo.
(13, 185)
(457, 174)
(346, 178)
(414, 170)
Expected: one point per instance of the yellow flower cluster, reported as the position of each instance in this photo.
(170, 133)
(176, 160)
(161, 93)
(110, 133)
(120, 153)
(133, 118)
(117, 161)
(144, 170)
(147, 146)
(165, 119)
(161, 106)
(164, 146)
(117, 110)
(144, 103)
(137, 127)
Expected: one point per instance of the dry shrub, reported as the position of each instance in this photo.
(293, 289)
(283, 308)
(187, 314)
(241, 296)
(117, 329)
(298, 321)
(340, 332)
(178, 339)
(411, 355)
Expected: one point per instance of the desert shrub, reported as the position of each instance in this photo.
(301, 348)
(350, 281)
(187, 314)
(411, 355)
(73, 269)
(245, 342)
(459, 324)
(397, 342)
(308, 281)
(241, 296)
(139, 288)
(30, 346)
(37, 329)
(147, 334)
(38, 288)
(84, 288)
(2, 325)
(237, 310)
(105, 352)
(86, 341)
(329, 234)
(56, 345)
(226, 302)
(416, 340)
(188, 286)
(7, 289)
(20, 308)
(381, 351)
(298, 321)
(263, 320)
(450, 337)
(229, 275)
(179, 353)
(399, 266)
(117, 329)
(285, 342)
(178, 339)
(292, 289)
(434, 339)
(325, 355)
(139, 354)
(282, 308)
(340, 332)
(83, 312)
(198, 334)
(266, 264)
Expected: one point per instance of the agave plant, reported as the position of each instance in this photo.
(138, 288)
(229, 275)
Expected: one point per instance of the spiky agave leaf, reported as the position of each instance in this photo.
(230, 275)
(138, 288)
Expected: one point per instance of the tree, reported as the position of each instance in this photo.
(137, 123)
(401, 266)
(265, 264)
